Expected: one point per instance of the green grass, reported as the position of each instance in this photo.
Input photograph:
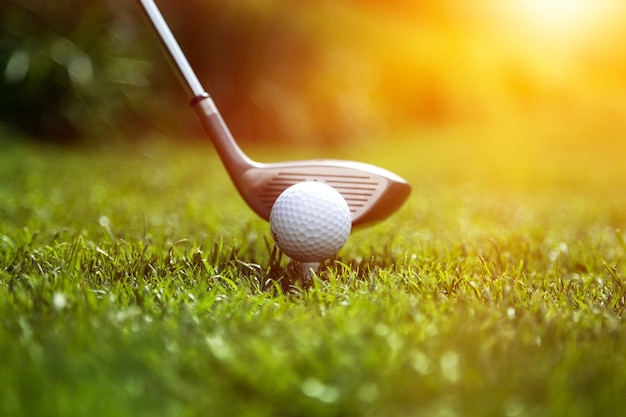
(134, 282)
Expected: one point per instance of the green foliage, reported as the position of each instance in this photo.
(70, 69)
(134, 282)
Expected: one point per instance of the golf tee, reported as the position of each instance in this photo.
(309, 269)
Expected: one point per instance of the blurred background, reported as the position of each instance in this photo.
(312, 71)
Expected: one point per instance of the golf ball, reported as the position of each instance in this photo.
(310, 221)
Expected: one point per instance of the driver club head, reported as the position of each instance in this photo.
(372, 193)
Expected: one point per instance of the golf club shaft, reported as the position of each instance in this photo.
(235, 161)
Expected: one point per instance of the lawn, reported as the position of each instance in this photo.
(135, 282)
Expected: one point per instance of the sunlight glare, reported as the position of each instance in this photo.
(558, 15)
(560, 20)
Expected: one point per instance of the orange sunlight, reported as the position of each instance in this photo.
(560, 17)
(562, 23)
(562, 56)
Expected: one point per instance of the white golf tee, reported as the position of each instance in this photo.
(309, 269)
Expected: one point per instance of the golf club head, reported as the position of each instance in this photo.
(372, 193)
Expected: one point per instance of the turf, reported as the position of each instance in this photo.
(134, 282)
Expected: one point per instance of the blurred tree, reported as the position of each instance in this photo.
(58, 61)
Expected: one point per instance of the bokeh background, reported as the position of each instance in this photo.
(313, 71)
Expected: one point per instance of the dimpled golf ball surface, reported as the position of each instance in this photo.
(310, 221)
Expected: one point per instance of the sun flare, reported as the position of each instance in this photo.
(560, 20)
(557, 15)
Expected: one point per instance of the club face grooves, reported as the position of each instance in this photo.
(358, 190)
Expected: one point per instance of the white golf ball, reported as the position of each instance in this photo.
(310, 221)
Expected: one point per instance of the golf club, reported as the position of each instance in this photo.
(372, 193)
